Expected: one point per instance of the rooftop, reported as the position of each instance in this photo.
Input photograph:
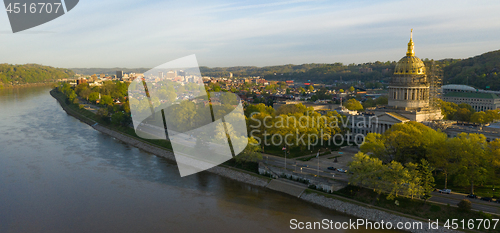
(458, 87)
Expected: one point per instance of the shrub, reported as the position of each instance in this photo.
(464, 205)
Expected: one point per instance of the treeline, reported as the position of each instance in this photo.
(324, 73)
(319, 73)
(467, 159)
(464, 112)
(293, 126)
(111, 97)
(480, 71)
(31, 73)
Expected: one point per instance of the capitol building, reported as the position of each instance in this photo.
(409, 97)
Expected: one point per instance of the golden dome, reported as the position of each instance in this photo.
(410, 64)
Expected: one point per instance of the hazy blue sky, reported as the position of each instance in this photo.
(139, 33)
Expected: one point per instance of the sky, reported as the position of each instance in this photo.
(223, 33)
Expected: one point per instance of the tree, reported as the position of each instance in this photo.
(395, 175)
(351, 89)
(251, 153)
(474, 161)
(382, 100)
(464, 205)
(427, 178)
(103, 112)
(375, 145)
(353, 105)
(341, 90)
(442, 156)
(411, 141)
(117, 118)
(462, 114)
(479, 117)
(367, 172)
(106, 100)
(259, 108)
(93, 97)
(414, 181)
(310, 88)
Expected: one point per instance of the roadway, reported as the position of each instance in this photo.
(311, 167)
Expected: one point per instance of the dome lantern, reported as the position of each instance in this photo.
(410, 64)
(411, 51)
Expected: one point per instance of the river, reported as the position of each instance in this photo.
(59, 175)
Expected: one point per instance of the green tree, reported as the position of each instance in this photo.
(382, 100)
(93, 97)
(103, 112)
(375, 145)
(310, 88)
(117, 118)
(474, 161)
(106, 100)
(479, 117)
(367, 172)
(351, 89)
(442, 156)
(251, 153)
(427, 178)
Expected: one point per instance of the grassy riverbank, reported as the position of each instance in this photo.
(91, 118)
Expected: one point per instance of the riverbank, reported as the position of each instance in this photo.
(230, 173)
(253, 179)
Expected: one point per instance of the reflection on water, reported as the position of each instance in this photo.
(59, 175)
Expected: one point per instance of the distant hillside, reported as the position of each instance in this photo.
(319, 73)
(479, 71)
(324, 73)
(30, 73)
(108, 71)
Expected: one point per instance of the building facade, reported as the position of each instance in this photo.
(478, 101)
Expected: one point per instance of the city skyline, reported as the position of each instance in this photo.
(223, 34)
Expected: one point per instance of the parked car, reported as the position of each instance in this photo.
(332, 168)
(341, 170)
(488, 199)
(447, 191)
(472, 196)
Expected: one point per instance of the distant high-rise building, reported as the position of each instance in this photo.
(119, 74)
(230, 75)
(160, 75)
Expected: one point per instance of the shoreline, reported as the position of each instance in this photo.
(346, 207)
(5, 87)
